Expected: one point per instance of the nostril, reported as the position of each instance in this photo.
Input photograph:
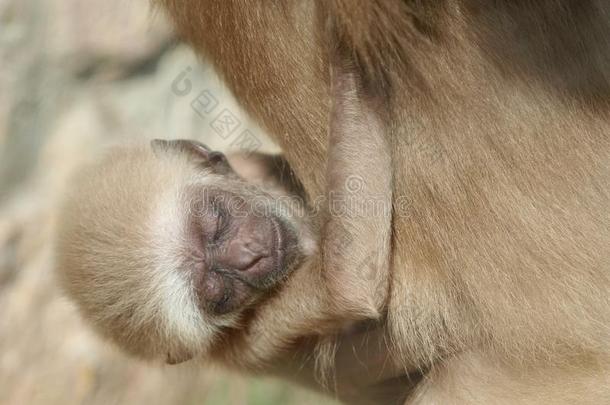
(256, 248)
(247, 259)
(253, 263)
(243, 255)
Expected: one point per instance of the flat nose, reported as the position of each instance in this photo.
(244, 252)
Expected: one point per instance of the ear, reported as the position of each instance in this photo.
(194, 149)
(177, 358)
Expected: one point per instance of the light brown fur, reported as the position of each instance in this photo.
(500, 123)
(125, 256)
(497, 116)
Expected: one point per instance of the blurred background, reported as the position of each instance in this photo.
(76, 76)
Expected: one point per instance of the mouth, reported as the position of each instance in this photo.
(234, 289)
(280, 246)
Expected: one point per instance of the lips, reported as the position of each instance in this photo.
(215, 289)
(280, 247)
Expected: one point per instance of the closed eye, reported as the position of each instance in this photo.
(222, 223)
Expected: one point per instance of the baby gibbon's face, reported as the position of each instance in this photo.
(163, 245)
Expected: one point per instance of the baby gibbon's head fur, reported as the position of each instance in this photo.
(163, 245)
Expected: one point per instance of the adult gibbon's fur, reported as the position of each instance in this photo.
(499, 127)
(496, 119)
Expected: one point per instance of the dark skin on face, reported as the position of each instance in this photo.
(237, 252)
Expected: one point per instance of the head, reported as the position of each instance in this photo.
(163, 245)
